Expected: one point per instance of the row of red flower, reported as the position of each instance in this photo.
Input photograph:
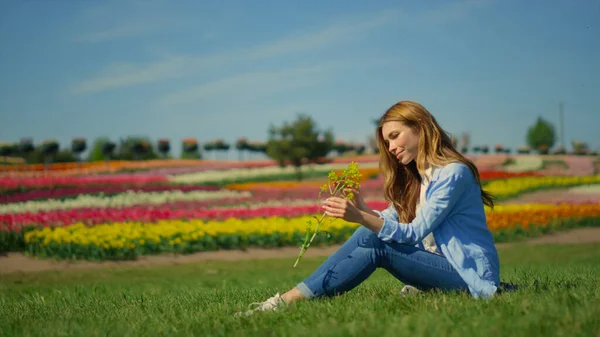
(150, 214)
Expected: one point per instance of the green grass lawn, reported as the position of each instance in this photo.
(559, 296)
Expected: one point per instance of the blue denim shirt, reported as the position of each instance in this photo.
(454, 212)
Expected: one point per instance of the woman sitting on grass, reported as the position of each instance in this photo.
(434, 233)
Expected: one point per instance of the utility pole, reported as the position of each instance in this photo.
(562, 125)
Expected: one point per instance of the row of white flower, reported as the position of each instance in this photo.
(586, 189)
(130, 198)
(252, 173)
(525, 163)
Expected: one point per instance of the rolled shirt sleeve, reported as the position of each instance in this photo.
(445, 192)
(389, 213)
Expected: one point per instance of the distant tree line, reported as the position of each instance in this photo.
(292, 143)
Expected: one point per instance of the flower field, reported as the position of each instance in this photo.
(121, 216)
(122, 240)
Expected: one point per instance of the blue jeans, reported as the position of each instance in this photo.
(364, 252)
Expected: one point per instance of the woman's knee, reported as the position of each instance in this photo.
(362, 232)
(366, 238)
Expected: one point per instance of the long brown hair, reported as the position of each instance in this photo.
(402, 182)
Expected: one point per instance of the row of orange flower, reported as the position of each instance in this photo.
(113, 166)
(85, 168)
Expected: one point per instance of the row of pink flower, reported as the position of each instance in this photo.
(488, 162)
(93, 216)
(7, 183)
(64, 192)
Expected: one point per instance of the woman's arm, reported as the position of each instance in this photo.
(445, 193)
(350, 211)
(360, 203)
(372, 221)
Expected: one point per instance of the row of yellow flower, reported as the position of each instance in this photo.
(504, 188)
(127, 240)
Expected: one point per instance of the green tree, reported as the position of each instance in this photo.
(49, 149)
(190, 155)
(96, 153)
(298, 142)
(341, 147)
(26, 150)
(65, 156)
(164, 147)
(580, 148)
(190, 149)
(541, 136)
(7, 150)
(78, 146)
(136, 148)
(103, 149)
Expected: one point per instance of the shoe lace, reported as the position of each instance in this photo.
(269, 304)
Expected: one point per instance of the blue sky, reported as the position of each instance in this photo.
(228, 69)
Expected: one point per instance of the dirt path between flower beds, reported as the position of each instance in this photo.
(17, 262)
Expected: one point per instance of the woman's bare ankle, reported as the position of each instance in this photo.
(293, 295)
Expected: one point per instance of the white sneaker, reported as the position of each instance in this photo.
(409, 291)
(274, 303)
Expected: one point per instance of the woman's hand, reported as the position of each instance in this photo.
(343, 209)
(358, 199)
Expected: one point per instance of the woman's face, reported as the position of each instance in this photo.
(401, 141)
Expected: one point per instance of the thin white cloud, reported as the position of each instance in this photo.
(344, 31)
(254, 83)
(271, 82)
(172, 67)
(347, 30)
(179, 66)
(103, 22)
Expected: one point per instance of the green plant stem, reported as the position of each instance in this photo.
(340, 185)
(305, 245)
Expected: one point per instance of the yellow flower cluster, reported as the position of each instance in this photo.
(121, 235)
(508, 187)
(511, 208)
